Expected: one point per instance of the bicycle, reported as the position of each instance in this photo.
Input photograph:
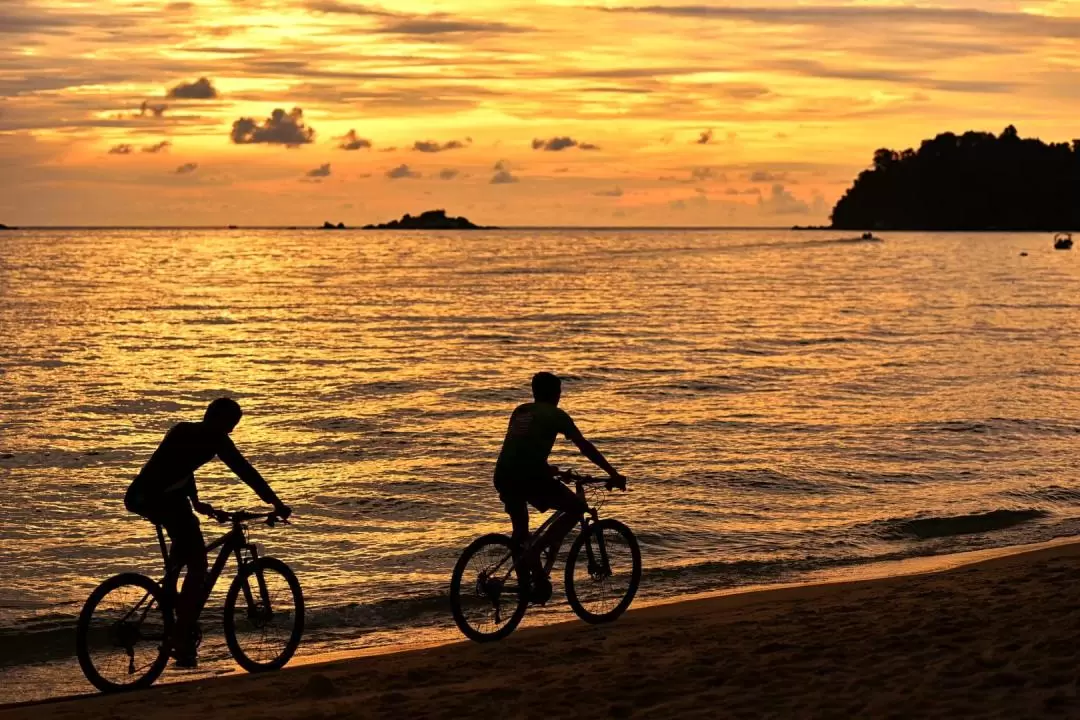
(489, 597)
(125, 627)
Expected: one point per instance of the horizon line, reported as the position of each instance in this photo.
(360, 227)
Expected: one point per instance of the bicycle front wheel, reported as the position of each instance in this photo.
(603, 570)
(486, 592)
(122, 635)
(264, 615)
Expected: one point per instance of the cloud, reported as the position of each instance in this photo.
(344, 8)
(319, 172)
(616, 192)
(187, 168)
(782, 202)
(812, 68)
(157, 147)
(201, 89)
(556, 144)
(430, 146)
(502, 175)
(845, 16)
(154, 110)
(764, 176)
(440, 24)
(351, 141)
(698, 201)
(122, 149)
(401, 171)
(403, 24)
(280, 128)
(698, 174)
(705, 138)
(448, 173)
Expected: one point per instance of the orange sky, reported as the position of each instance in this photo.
(556, 113)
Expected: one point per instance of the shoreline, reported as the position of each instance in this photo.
(645, 631)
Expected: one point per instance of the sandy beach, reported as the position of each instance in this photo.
(993, 639)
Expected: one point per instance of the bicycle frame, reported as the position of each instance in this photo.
(234, 542)
(536, 538)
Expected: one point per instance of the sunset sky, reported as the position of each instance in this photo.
(278, 112)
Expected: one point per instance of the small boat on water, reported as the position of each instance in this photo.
(1063, 241)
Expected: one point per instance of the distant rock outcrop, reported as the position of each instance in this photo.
(973, 181)
(5, 227)
(430, 220)
(327, 225)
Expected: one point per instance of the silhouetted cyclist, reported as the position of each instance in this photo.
(523, 476)
(161, 493)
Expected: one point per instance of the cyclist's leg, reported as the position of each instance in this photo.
(557, 496)
(188, 549)
(518, 509)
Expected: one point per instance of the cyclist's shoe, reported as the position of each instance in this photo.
(185, 657)
(185, 651)
(541, 591)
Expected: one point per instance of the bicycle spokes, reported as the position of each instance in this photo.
(493, 599)
(596, 550)
(124, 636)
(265, 614)
(600, 581)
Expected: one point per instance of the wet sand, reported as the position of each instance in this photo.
(995, 639)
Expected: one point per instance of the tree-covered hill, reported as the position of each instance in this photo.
(973, 181)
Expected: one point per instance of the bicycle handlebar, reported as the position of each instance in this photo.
(242, 516)
(569, 476)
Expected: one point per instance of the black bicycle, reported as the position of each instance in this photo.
(125, 628)
(489, 590)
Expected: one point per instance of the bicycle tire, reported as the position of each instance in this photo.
(156, 660)
(573, 558)
(243, 656)
(457, 600)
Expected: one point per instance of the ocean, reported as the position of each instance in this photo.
(784, 404)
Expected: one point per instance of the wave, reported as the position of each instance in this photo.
(1049, 494)
(1029, 426)
(937, 527)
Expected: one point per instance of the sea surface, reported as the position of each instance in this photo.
(782, 402)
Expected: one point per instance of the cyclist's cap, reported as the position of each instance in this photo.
(224, 410)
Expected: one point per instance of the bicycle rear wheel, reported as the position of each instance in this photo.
(122, 635)
(486, 590)
(264, 615)
(603, 570)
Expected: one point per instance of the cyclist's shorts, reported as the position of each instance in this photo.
(543, 495)
(178, 519)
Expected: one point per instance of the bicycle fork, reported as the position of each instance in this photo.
(256, 611)
(598, 566)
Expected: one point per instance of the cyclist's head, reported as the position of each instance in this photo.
(223, 413)
(546, 388)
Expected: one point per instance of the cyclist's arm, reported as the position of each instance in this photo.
(232, 457)
(588, 449)
(193, 493)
